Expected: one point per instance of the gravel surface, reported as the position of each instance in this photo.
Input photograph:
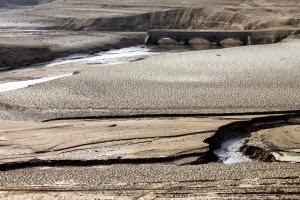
(212, 181)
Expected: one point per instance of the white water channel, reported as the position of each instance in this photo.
(111, 57)
(229, 153)
(4, 87)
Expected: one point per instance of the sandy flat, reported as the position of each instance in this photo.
(241, 79)
(212, 181)
(106, 139)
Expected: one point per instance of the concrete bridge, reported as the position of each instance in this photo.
(213, 36)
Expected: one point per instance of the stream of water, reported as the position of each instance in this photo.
(229, 153)
(4, 87)
(111, 57)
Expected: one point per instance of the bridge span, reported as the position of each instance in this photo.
(213, 36)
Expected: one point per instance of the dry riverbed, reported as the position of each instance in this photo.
(172, 155)
(133, 123)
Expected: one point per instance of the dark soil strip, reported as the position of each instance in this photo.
(172, 115)
(80, 163)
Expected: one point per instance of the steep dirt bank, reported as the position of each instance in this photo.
(269, 36)
(14, 56)
(266, 28)
(180, 18)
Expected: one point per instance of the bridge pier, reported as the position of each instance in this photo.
(151, 40)
(186, 41)
(248, 40)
